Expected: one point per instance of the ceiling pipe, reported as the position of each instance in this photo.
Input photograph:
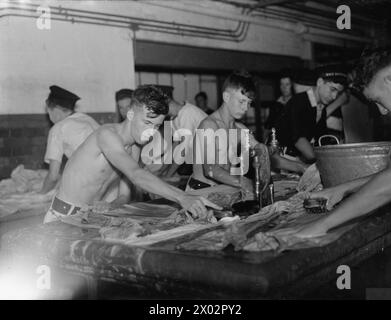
(298, 28)
(288, 26)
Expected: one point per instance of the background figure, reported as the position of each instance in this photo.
(358, 118)
(201, 101)
(285, 88)
(123, 99)
(304, 118)
(69, 131)
(277, 107)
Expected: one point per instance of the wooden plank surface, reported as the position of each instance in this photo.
(223, 273)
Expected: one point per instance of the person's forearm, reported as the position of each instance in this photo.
(49, 183)
(120, 201)
(172, 170)
(371, 196)
(279, 162)
(342, 99)
(153, 184)
(332, 107)
(221, 175)
(162, 171)
(305, 148)
(352, 186)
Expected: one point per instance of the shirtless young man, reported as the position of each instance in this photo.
(105, 154)
(238, 93)
(371, 192)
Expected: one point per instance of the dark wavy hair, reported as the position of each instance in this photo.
(370, 63)
(152, 98)
(242, 80)
(201, 94)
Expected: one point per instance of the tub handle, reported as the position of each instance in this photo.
(327, 136)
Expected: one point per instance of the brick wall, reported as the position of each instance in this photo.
(23, 139)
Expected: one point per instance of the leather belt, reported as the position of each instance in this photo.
(63, 207)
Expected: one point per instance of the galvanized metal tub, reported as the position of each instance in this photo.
(345, 162)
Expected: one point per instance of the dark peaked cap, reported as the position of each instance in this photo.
(333, 72)
(63, 97)
(123, 93)
(306, 77)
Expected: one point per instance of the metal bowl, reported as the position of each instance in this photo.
(345, 162)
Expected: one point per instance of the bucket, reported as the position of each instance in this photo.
(346, 162)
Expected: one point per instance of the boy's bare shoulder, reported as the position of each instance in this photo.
(240, 125)
(208, 123)
(107, 132)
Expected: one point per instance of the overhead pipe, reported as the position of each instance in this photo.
(237, 35)
(83, 16)
(289, 26)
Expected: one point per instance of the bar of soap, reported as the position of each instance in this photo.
(229, 220)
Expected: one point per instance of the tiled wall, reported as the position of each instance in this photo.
(23, 139)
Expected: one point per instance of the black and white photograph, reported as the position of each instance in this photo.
(192, 156)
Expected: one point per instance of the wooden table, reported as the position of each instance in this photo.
(162, 271)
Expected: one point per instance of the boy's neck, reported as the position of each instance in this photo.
(125, 132)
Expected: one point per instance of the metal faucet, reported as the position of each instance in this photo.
(257, 185)
(261, 164)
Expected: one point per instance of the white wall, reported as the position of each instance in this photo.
(91, 61)
(95, 61)
(264, 36)
(186, 86)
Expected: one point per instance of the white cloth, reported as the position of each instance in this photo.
(19, 193)
(67, 135)
(189, 118)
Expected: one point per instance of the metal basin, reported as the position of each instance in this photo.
(345, 162)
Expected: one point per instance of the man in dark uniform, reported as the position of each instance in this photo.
(373, 77)
(304, 118)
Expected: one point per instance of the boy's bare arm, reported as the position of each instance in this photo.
(218, 171)
(111, 145)
(52, 176)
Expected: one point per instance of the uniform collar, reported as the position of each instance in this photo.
(311, 97)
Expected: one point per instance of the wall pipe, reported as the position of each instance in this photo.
(83, 16)
(253, 20)
(236, 35)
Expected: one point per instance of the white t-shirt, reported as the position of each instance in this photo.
(188, 118)
(67, 135)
